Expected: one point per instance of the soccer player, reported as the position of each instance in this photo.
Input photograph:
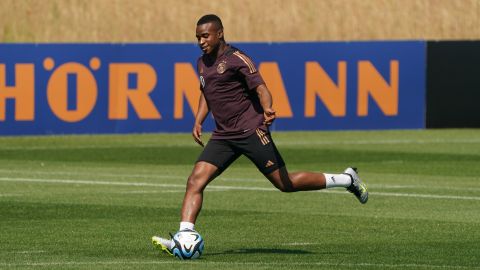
(233, 90)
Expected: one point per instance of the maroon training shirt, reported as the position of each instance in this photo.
(229, 86)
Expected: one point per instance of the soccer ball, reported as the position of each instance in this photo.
(188, 245)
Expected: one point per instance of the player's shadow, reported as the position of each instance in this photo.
(263, 251)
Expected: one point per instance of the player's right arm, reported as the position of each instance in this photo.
(199, 118)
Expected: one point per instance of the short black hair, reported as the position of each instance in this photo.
(210, 18)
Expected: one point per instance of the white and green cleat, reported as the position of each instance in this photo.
(162, 244)
(358, 188)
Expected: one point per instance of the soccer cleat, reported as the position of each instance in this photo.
(358, 188)
(162, 244)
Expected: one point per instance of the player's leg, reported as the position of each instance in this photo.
(301, 181)
(216, 157)
(202, 174)
(297, 181)
(261, 149)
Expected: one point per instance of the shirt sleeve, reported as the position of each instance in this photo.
(248, 70)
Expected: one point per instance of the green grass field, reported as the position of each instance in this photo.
(93, 202)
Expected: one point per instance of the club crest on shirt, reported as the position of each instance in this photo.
(222, 67)
(202, 81)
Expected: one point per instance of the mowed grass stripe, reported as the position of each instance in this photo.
(246, 264)
(225, 188)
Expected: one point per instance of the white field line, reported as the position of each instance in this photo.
(9, 194)
(397, 186)
(126, 176)
(246, 264)
(98, 146)
(120, 175)
(152, 191)
(299, 244)
(363, 142)
(134, 184)
(427, 196)
(225, 188)
(115, 175)
(158, 191)
(26, 251)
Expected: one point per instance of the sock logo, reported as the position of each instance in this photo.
(333, 179)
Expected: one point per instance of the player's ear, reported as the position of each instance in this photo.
(220, 33)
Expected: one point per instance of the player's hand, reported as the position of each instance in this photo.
(197, 134)
(269, 115)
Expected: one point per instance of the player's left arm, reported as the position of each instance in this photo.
(256, 83)
(266, 101)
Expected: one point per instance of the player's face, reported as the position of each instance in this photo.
(208, 36)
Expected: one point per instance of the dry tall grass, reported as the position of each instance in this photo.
(247, 20)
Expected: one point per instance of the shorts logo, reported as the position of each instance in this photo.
(269, 164)
(222, 67)
(202, 81)
(262, 136)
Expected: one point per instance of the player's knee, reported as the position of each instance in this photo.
(193, 183)
(286, 188)
(281, 181)
(196, 182)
